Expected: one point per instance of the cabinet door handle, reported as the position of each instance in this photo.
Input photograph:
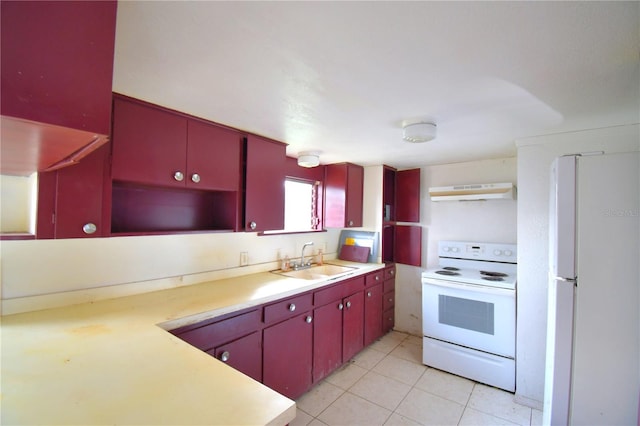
(308, 319)
(348, 304)
(179, 176)
(89, 228)
(195, 178)
(292, 307)
(253, 225)
(340, 306)
(224, 356)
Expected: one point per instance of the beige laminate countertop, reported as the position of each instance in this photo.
(112, 362)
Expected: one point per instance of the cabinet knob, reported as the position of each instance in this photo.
(392, 272)
(340, 306)
(224, 356)
(179, 176)
(195, 178)
(292, 307)
(350, 223)
(391, 299)
(348, 305)
(377, 277)
(253, 225)
(368, 294)
(89, 228)
(308, 319)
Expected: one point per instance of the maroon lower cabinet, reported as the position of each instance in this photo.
(287, 355)
(372, 314)
(327, 339)
(353, 326)
(243, 354)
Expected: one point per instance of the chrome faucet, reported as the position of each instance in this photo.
(302, 263)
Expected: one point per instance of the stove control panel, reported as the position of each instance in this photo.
(496, 252)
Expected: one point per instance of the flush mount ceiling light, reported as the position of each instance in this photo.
(308, 159)
(419, 132)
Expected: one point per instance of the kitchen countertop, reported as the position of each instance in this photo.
(113, 362)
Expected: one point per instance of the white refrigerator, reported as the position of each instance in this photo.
(592, 374)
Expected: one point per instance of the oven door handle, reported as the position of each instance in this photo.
(476, 288)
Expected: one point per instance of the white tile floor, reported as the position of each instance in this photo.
(387, 384)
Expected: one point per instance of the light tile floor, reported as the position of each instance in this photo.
(387, 384)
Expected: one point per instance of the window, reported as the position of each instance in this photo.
(301, 205)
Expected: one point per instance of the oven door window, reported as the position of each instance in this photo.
(469, 314)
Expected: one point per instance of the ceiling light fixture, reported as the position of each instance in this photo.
(308, 159)
(419, 132)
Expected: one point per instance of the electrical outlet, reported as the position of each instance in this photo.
(244, 258)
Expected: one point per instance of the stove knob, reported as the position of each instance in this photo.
(446, 249)
(454, 249)
(508, 253)
(497, 252)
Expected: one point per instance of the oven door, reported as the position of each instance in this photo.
(477, 317)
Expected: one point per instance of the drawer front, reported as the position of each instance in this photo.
(287, 308)
(388, 300)
(388, 320)
(375, 278)
(390, 273)
(212, 335)
(328, 295)
(389, 285)
(353, 285)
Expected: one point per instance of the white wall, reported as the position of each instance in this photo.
(487, 221)
(535, 156)
(46, 273)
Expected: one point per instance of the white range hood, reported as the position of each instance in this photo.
(480, 191)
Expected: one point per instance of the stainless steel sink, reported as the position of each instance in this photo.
(317, 272)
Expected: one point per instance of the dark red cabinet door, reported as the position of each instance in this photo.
(75, 196)
(355, 184)
(408, 195)
(327, 339)
(57, 62)
(214, 154)
(288, 352)
(149, 144)
(408, 245)
(243, 354)
(343, 195)
(264, 197)
(353, 326)
(372, 313)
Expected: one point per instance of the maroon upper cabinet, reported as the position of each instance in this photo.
(73, 201)
(343, 195)
(265, 175)
(149, 144)
(57, 69)
(408, 195)
(155, 146)
(214, 157)
(401, 203)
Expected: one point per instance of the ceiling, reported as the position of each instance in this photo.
(342, 77)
